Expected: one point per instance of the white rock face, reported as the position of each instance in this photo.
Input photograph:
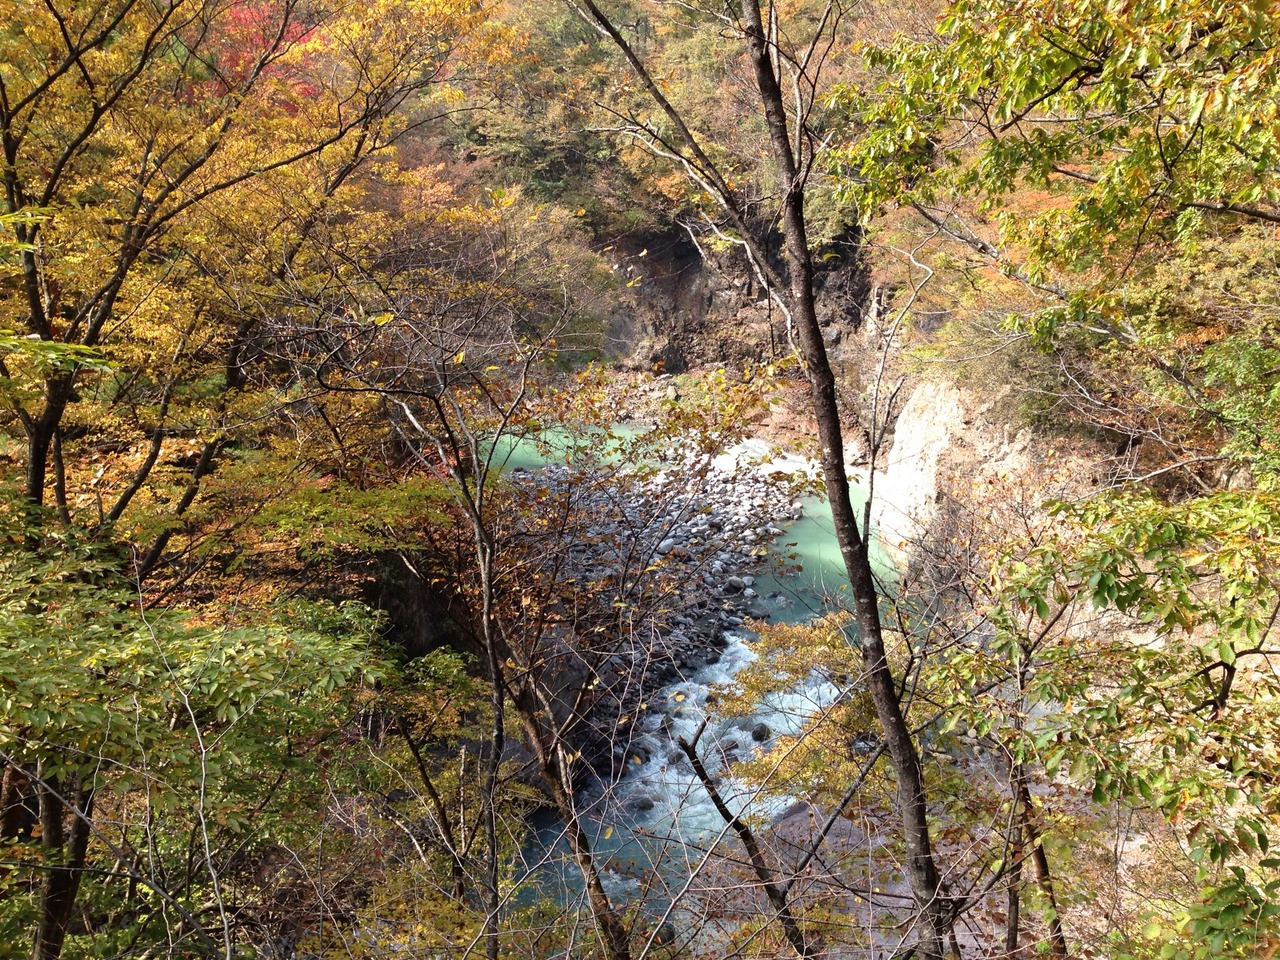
(906, 492)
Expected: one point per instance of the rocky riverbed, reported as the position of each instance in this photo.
(683, 550)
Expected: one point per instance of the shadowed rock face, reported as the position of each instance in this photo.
(692, 306)
(420, 619)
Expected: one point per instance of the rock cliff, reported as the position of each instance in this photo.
(942, 436)
(687, 304)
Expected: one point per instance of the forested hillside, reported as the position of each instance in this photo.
(629, 478)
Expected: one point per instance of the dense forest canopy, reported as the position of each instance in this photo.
(390, 567)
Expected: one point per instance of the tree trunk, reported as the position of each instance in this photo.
(1013, 911)
(40, 433)
(65, 852)
(457, 869)
(497, 741)
(554, 770)
(933, 907)
(776, 892)
(1044, 879)
(39, 441)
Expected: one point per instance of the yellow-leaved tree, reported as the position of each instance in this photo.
(144, 144)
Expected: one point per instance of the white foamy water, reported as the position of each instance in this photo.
(657, 821)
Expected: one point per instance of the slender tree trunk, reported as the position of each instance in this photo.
(1013, 908)
(457, 869)
(497, 738)
(40, 433)
(39, 441)
(776, 892)
(617, 944)
(933, 907)
(1044, 878)
(555, 771)
(65, 851)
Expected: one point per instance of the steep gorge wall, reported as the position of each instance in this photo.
(686, 305)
